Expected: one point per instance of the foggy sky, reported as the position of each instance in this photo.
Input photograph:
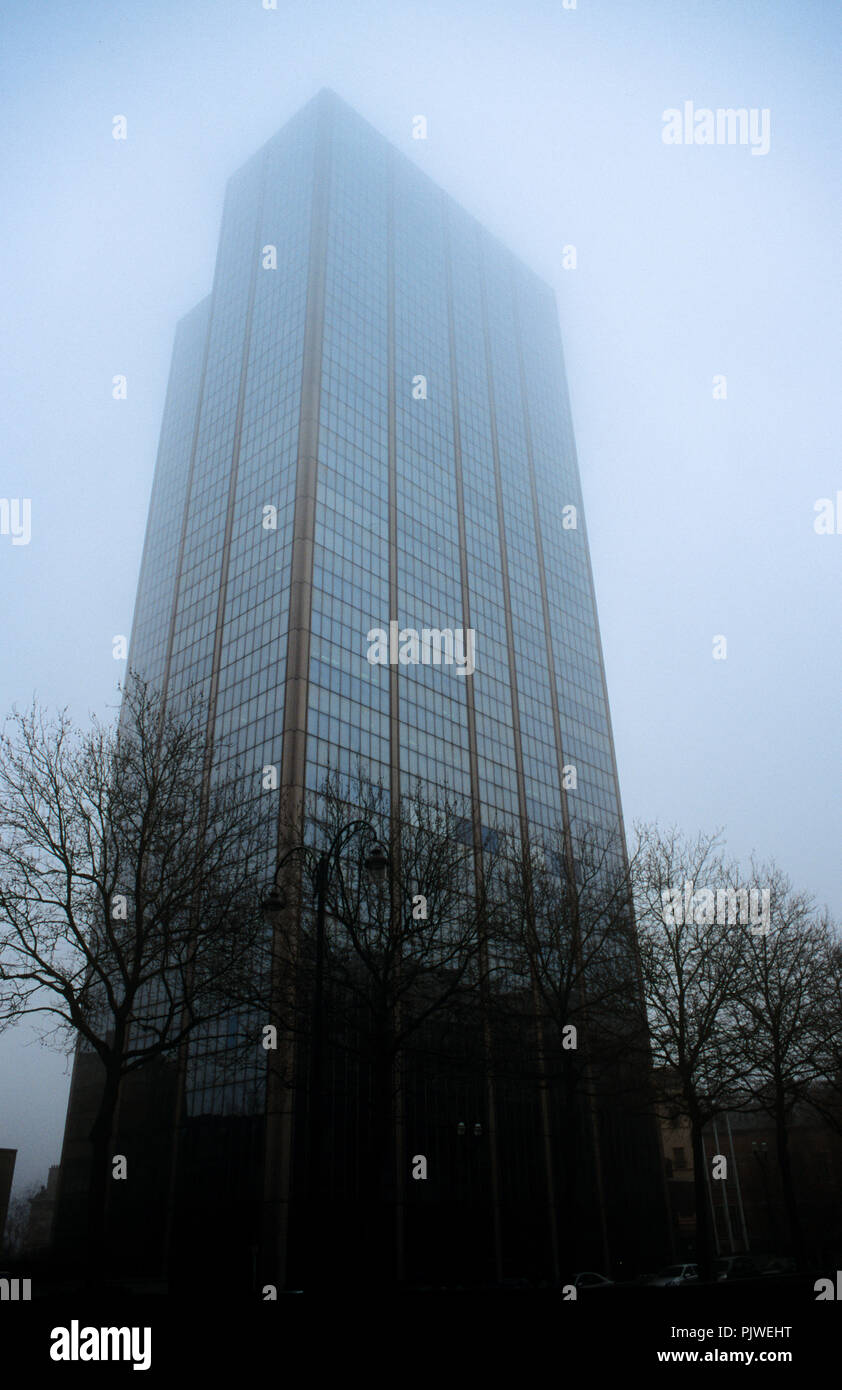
(545, 123)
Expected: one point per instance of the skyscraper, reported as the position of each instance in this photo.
(367, 485)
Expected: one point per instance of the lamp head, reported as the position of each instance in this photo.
(272, 904)
(377, 862)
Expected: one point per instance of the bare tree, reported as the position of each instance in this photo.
(785, 1000)
(128, 906)
(14, 1242)
(569, 982)
(693, 970)
(825, 1096)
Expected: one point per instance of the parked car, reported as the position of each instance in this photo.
(674, 1275)
(780, 1264)
(735, 1267)
(589, 1280)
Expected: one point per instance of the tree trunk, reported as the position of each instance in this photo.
(380, 1176)
(571, 1156)
(100, 1139)
(704, 1253)
(796, 1237)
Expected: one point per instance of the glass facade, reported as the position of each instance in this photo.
(480, 461)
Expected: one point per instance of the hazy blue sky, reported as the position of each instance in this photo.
(546, 124)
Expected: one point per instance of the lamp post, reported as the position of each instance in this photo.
(761, 1153)
(468, 1185)
(320, 866)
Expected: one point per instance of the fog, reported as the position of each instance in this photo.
(546, 123)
